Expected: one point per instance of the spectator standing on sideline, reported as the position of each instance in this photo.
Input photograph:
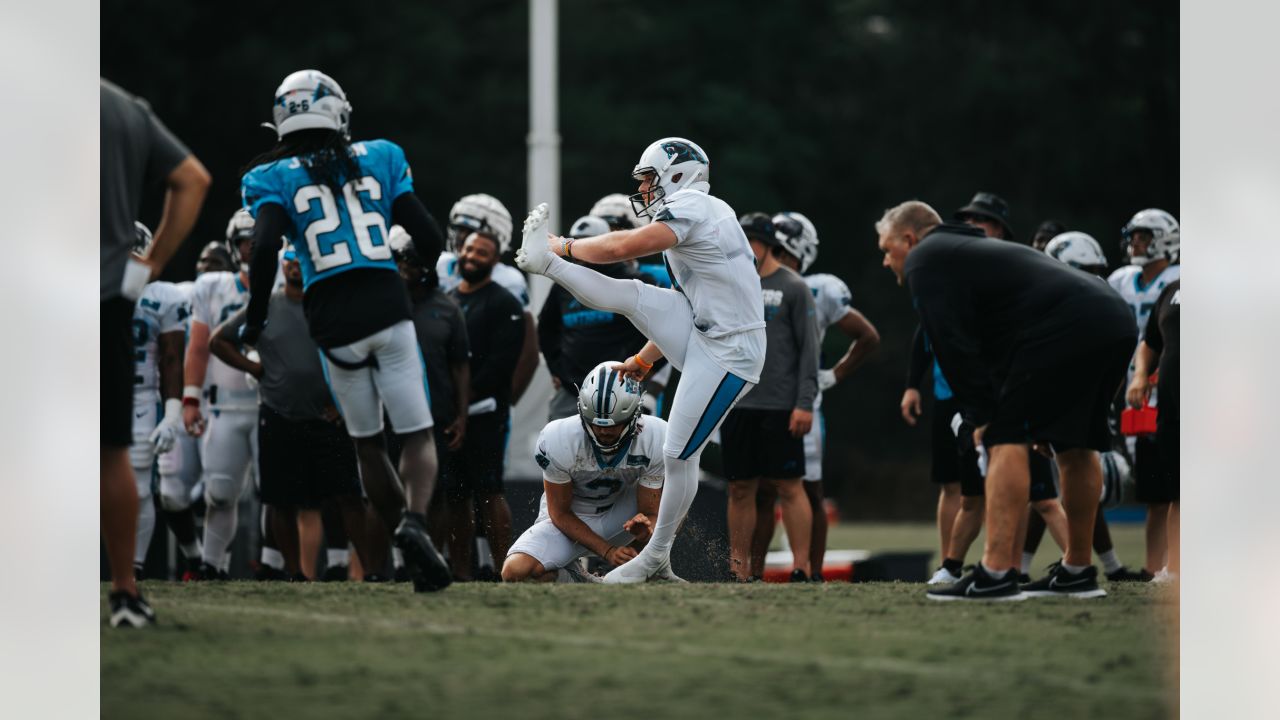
(136, 151)
(763, 437)
(495, 329)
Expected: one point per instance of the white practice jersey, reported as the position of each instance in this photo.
(1128, 282)
(216, 297)
(163, 308)
(831, 300)
(512, 280)
(566, 454)
(712, 264)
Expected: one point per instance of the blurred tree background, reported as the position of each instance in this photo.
(834, 108)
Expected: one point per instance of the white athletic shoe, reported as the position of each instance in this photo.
(533, 255)
(943, 577)
(665, 573)
(635, 570)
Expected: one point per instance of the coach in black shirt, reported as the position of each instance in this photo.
(1034, 351)
(495, 329)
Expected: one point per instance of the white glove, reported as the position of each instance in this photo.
(166, 432)
(826, 379)
(249, 379)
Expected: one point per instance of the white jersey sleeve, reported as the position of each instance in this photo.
(553, 454)
(1128, 282)
(831, 300)
(512, 280)
(161, 309)
(216, 297)
(566, 455)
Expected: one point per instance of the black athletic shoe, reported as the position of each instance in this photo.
(209, 572)
(130, 611)
(427, 568)
(798, 576)
(817, 578)
(1062, 583)
(980, 586)
(299, 578)
(1124, 574)
(1023, 578)
(376, 578)
(400, 574)
(266, 573)
(334, 573)
(487, 574)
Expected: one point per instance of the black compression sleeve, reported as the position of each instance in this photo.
(409, 213)
(268, 230)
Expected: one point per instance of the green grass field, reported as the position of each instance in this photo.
(247, 650)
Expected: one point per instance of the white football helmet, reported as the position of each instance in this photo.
(141, 238)
(1165, 243)
(676, 164)
(479, 213)
(617, 211)
(797, 236)
(608, 398)
(309, 99)
(1077, 249)
(239, 228)
(588, 226)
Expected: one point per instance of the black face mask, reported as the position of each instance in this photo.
(475, 274)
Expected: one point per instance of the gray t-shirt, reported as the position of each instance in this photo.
(790, 376)
(292, 380)
(442, 335)
(137, 151)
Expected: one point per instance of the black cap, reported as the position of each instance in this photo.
(990, 207)
(759, 226)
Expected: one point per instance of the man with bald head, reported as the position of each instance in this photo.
(1034, 352)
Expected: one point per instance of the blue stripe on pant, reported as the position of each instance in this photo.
(726, 392)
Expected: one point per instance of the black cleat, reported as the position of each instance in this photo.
(427, 569)
(978, 585)
(798, 576)
(375, 578)
(334, 573)
(209, 572)
(487, 574)
(266, 573)
(817, 578)
(1124, 574)
(130, 611)
(1062, 583)
(400, 575)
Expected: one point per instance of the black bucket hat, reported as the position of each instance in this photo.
(759, 226)
(990, 207)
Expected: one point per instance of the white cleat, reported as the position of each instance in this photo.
(943, 577)
(533, 255)
(631, 572)
(665, 573)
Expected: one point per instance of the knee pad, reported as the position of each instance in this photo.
(174, 496)
(221, 490)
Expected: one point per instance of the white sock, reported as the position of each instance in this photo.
(397, 557)
(1027, 559)
(678, 491)
(342, 558)
(994, 575)
(146, 516)
(219, 531)
(1073, 569)
(595, 290)
(1110, 562)
(272, 558)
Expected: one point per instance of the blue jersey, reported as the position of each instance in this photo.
(335, 234)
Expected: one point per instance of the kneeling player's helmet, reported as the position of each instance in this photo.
(1165, 240)
(797, 236)
(309, 99)
(480, 213)
(1079, 250)
(141, 238)
(239, 229)
(608, 398)
(676, 164)
(616, 210)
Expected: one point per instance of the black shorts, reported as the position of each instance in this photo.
(758, 444)
(477, 468)
(1167, 437)
(954, 459)
(115, 360)
(1151, 483)
(1064, 406)
(303, 463)
(1042, 485)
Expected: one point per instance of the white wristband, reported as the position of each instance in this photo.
(136, 276)
(191, 391)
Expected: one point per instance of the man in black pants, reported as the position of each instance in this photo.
(304, 456)
(495, 329)
(137, 151)
(1034, 352)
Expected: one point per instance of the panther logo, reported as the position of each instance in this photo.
(683, 152)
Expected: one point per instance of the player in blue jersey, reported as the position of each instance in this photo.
(335, 200)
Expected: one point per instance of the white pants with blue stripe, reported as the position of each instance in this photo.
(396, 377)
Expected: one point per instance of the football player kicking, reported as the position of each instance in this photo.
(602, 483)
(334, 200)
(711, 327)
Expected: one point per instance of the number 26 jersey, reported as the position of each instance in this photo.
(335, 232)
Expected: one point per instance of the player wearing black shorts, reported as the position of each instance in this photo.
(1034, 352)
(495, 329)
(137, 151)
(763, 436)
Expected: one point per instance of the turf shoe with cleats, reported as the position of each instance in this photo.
(534, 256)
(130, 611)
(427, 569)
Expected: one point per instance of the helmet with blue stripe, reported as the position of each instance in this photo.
(609, 399)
